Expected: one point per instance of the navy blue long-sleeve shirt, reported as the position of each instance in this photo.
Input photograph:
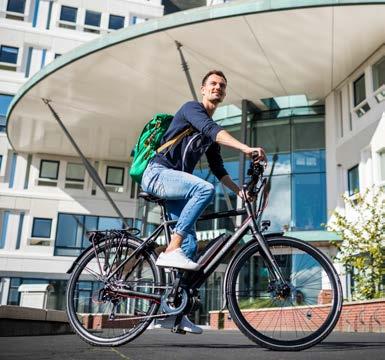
(186, 153)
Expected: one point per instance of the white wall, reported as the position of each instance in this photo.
(360, 139)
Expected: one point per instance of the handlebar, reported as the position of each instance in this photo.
(255, 171)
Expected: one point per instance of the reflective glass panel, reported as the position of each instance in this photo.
(41, 228)
(69, 230)
(308, 134)
(90, 224)
(273, 136)
(309, 202)
(278, 210)
(308, 161)
(17, 6)
(359, 90)
(75, 172)
(49, 169)
(353, 180)
(92, 18)
(116, 22)
(115, 175)
(382, 165)
(8, 54)
(68, 13)
(107, 223)
(5, 100)
(379, 74)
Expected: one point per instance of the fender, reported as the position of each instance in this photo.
(69, 271)
(267, 237)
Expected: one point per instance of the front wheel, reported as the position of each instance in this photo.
(291, 316)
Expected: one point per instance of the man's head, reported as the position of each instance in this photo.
(213, 87)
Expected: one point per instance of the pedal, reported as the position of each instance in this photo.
(176, 330)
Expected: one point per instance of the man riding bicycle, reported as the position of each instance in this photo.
(169, 173)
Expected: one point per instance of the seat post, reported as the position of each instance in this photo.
(163, 212)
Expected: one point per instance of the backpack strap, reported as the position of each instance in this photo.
(175, 140)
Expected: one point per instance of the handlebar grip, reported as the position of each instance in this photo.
(254, 155)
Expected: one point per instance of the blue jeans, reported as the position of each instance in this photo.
(186, 197)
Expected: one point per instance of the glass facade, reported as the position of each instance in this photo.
(295, 147)
(71, 230)
(55, 300)
(294, 141)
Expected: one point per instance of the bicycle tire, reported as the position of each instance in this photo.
(89, 305)
(305, 317)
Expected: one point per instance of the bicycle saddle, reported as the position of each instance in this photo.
(150, 198)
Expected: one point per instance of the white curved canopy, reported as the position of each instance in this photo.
(107, 89)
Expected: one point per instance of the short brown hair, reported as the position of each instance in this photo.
(215, 72)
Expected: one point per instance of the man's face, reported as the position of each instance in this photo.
(214, 90)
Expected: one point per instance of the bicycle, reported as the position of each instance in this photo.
(281, 292)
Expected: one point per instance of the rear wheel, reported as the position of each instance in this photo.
(291, 316)
(108, 312)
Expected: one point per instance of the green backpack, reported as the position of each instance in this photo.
(148, 143)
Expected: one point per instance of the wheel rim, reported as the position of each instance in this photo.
(101, 311)
(279, 315)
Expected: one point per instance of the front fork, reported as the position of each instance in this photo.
(271, 264)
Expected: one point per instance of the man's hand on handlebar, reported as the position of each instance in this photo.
(257, 154)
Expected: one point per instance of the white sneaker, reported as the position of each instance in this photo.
(176, 259)
(185, 324)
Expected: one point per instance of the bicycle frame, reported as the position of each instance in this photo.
(196, 279)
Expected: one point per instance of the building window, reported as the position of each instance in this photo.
(68, 14)
(15, 10)
(75, 176)
(92, 19)
(115, 175)
(8, 54)
(382, 165)
(116, 22)
(359, 90)
(5, 100)
(379, 74)
(71, 234)
(41, 228)
(49, 169)
(4, 216)
(75, 172)
(137, 20)
(353, 180)
(17, 6)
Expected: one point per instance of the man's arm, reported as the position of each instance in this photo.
(224, 138)
(230, 184)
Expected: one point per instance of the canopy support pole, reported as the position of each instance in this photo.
(186, 70)
(90, 169)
